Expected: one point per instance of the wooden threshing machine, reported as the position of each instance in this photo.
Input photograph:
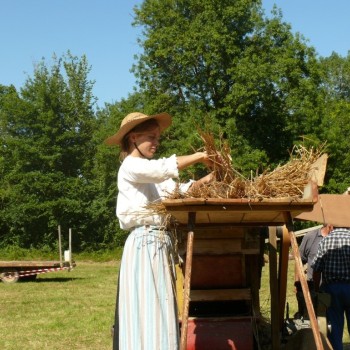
(222, 245)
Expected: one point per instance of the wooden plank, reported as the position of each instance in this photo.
(220, 294)
(304, 286)
(249, 234)
(184, 201)
(31, 264)
(275, 331)
(238, 202)
(60, 245)
(301, 233)
(318, 170)
(215, 232)
(254, 201)
(262, 216)
(239, 218)
(283, 273)
(244, 274)
(241, 206)
(218, 246)
(329, 209)
(217, 271)
(179, 289)
(187, 289)
(238, 224)
(243, 212)
(222, 246)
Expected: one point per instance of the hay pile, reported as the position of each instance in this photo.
(288, 180)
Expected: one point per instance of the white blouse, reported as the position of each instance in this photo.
(141, 182)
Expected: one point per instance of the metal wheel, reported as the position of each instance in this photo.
(9, 276)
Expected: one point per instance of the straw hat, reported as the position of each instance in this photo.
(135, 118)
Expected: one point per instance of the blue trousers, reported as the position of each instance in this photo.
(340, 306)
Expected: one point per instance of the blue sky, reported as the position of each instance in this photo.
(101, 29)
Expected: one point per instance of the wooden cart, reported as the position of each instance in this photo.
(218, 285)
(12, 271)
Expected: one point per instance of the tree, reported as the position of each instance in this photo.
(48, 147)
(335, 126)
(224, 58)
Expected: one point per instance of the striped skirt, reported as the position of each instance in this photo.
(146, 313)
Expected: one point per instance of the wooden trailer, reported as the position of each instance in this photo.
(13, 271)
(221, 242)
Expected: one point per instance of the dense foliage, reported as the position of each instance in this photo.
(221, 65)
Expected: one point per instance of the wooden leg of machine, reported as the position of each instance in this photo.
(187, 284)
(304, 285)
(187, 287)
(275, 329)
(283, 273)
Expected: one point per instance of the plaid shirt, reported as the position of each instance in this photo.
(333, 257)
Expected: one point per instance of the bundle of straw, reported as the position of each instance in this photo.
(288, 180)
(221, 158)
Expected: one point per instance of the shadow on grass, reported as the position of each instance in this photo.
(52, 279)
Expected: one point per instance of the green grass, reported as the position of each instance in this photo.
(265, 299)
(60, 310)
(18, 253)
(75, 310)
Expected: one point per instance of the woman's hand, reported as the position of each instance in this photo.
(207, 178)
(198, 157)
(204, 180)
(205, 159)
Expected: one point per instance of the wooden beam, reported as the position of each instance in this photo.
(283, 273)
(318, 169)
(275, 329)
(220, 294)
(304, 285)
(187, 283)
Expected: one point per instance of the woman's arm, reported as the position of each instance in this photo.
(203, 181)
(198, 157)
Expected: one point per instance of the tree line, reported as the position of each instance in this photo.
(223, 65)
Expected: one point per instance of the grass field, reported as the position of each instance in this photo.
(75, 310)
(60, 310)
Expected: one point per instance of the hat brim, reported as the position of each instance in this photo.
(163, 119)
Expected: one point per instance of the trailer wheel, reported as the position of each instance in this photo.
(9, 276)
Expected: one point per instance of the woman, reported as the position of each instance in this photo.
(146, 312)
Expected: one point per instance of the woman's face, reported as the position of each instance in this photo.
(146, 141)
